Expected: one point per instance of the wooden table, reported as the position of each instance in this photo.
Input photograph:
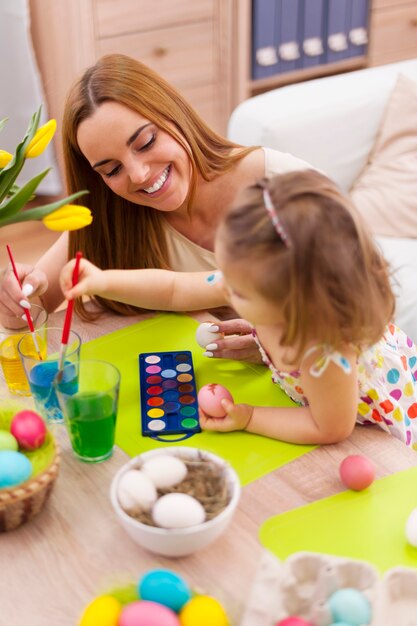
(75, 549)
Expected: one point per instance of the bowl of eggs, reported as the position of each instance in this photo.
(176, 501)
(29, 465)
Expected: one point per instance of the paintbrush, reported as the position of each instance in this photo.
(27, 313)
(68, 315)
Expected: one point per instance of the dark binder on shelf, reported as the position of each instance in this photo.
(313, 33)
(358, 28)
(290, 35)
(265, 61)
(338, 24)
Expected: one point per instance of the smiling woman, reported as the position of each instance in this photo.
(159, 180)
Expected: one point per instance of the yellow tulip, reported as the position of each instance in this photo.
(5, 157)
(68, 217)
(41, 139)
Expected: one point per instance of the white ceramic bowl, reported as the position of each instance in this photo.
(177, 541)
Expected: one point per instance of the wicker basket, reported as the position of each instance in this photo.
(21, 503)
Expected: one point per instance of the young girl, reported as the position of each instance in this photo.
(298, 265)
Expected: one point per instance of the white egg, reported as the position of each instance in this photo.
(178, 510)
(136, 491)
(411, 528)
(204, 336)
(165, 471)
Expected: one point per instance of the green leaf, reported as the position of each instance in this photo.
(40, 212)
(19, 199)
(3, 122)
(12, 170)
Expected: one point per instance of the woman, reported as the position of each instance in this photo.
(159, 179)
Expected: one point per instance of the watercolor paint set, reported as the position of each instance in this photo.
(168, 394)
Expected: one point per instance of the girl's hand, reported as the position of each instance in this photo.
(237, 417)
(34, 283)
(238, 342)
(90, 280)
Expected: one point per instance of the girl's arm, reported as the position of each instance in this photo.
(154, 289)
(329, 418)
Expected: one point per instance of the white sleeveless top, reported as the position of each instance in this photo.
(187, 256)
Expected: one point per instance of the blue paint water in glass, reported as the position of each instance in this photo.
(40, 381)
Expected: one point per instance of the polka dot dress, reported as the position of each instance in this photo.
(387, 385)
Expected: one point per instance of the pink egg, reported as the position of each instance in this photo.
(357, 472)
(29, 429)
(210, 397)
(293, 621)
(146, 613)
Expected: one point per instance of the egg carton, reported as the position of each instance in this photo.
(302, 584)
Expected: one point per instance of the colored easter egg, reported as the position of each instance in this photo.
(204, 336)
(293, 621)
(203, 611)
(357, 472)
(145, 613)
(178, 510)
(411, 528)
(165, 587)
(29, 429)
(210, 397)
(351, 606)
(104, 610)
(7, 441)
(15, 468)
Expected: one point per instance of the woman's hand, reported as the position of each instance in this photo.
(13, 299)
(91, 280)
(237, 417)
(238, 342)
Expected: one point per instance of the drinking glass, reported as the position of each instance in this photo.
(40, 373)
(15, 327)
(88, 392)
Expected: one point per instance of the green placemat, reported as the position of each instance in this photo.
(252, 456)
(366, 525)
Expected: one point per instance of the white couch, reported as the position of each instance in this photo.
(332, 123)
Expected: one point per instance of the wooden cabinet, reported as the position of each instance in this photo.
(189, 42)
(393, 31)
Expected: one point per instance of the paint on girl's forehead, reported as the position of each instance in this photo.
(214, 277)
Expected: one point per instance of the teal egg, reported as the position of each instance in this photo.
(164, 587)
(15, 468)
(350, 606)
(7, 441)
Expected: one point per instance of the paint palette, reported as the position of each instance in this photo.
(168, 394)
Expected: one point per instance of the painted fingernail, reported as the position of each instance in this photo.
(27, 290)
(212, 346)
(213, 329)
(24, 304)
(209, 354)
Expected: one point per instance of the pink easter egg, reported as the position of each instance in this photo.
(29, 429)
(357, 472)
(293, 621)
(210, 397)
(146, 613)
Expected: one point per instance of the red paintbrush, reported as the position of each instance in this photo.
(28, 315)
(68, 315)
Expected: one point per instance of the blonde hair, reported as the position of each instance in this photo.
(329, 278)
(125, 235)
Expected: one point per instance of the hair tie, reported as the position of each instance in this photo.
(280, 230)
